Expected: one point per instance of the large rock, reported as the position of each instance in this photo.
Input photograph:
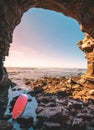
(54, 114)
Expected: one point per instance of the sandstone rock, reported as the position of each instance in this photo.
(91, 92)
(82, 81)
(76, 87)
(71, 81)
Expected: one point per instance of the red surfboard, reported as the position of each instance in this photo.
(19, 106)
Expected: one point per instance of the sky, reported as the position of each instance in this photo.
(46, 38)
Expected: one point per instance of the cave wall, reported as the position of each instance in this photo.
(11, 12)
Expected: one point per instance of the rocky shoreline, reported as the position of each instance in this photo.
(64, 103)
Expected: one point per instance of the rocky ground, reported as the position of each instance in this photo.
(74, 86)
(64, 103)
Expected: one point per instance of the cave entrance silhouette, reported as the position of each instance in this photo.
(51, 34)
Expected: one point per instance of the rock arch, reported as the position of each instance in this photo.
(11, 12)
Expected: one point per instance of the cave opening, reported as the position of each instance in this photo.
(11, 13)
(46, 38)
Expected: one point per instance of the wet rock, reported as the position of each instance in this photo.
(39, 109)
(75, 104)
(78, 124)
(50, 112)
(51, 104)
(38, 89)
(39, 95)
(85, 116)
(19, 89)
(14, 89)
(27, 83)
(5, 125)
(29, 100)
(53, 114)
(61, 101)
(13, 84)
(42, 104)
(64, 93)
(13, 101)
(45, 99)
(32, 93)
(52, 125)
(26, 121)
(91, 106)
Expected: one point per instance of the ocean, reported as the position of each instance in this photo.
(16, 74)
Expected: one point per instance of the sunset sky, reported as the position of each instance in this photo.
(46, 39)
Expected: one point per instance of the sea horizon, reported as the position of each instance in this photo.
(45, 67)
